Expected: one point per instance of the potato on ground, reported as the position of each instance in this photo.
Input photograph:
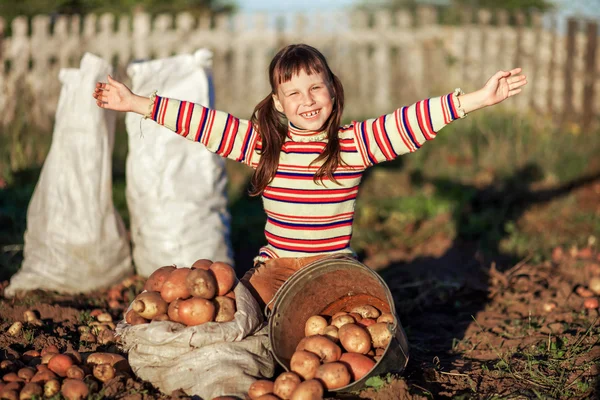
(74, 389)
(323, 347)
(174, 286)
(157, 278)
(285, 384)
(201, 283)
(315, 325)
(355, 338)
(259, 388)
(305, 364)
(333, 375)
(358, 365)
(310, 389)
(59, 364)
(31, 390)
(196, 311)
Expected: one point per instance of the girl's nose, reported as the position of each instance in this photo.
(308, 100)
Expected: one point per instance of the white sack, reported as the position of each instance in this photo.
(75, 241)
(176, 189)
(208, 360)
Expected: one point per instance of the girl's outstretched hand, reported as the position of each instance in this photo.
(502, 85)
(114, 96)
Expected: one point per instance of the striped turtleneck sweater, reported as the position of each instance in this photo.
(305, 218)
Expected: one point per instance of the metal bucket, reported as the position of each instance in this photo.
(326, 287)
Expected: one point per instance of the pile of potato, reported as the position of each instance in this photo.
(49, 372)
(334, 353)
(190, 296)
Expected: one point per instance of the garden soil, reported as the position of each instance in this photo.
(476, 329)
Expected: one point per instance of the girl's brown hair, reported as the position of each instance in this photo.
(272, 126)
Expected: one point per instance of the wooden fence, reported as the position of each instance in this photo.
(384, 59)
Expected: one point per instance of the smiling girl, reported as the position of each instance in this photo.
(307, 166)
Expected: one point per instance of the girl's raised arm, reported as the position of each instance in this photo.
(220, 132)
(408, 128)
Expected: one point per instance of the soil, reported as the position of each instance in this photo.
(477, 329)
(459, 327)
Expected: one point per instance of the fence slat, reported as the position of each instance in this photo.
(384, 60)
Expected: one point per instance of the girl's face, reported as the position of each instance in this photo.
(305, 100)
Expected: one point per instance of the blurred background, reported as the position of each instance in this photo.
(509, 182)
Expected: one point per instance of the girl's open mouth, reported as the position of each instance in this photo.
(310, 114)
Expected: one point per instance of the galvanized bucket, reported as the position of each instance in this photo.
(325, 287)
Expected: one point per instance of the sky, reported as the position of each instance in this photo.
(589, 8)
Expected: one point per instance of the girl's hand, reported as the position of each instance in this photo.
(499, 87)
(113, 95)
(502, 85)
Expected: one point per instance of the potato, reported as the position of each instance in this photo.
(311, 389)
(173, 310)
(331, 332)
(43, 376)
(104, 372)
(342, 320)
(225, 308)
(305, 364)
(315, 325)
(333, 375)
(9, 394)
(26, 373)
(75, 372)
(357, 317)
(355, 338)
(134, 318)
(149, 304)
(386, 317)
(337, 314)
(259, 388)
(74, 389)
(301, 344)
(59, 364)
(49, 349)
(174, 286)
(157, 278)
(203, 263)
(367, 322)
(51, 388)
(225, 275)
(358, 365)
(380, 334)
(160, 317)
(117, 361)
(323, 347)
(201, 283)
(366, 311)
(30, 391)
(196, 311)
(285, 384)
(268, 396)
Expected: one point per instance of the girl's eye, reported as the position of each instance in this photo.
(292, 93)
(316, 87)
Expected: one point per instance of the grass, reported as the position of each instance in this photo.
(474, 183)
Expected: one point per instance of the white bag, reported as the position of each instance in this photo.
(208, 360)
(176, 189)
(75, 241)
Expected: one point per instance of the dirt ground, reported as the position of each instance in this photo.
(477, 329)
(460, 326)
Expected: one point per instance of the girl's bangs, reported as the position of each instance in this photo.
(294, 62)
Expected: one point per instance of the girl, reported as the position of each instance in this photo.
(307, 167)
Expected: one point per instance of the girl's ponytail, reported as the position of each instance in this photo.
(272, 135)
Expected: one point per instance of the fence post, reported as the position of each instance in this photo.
(590, 75)
(568, 109)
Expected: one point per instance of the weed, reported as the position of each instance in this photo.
(29, 336)
(379, 381)
(84, 318)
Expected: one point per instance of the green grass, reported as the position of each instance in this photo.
(475, 183)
